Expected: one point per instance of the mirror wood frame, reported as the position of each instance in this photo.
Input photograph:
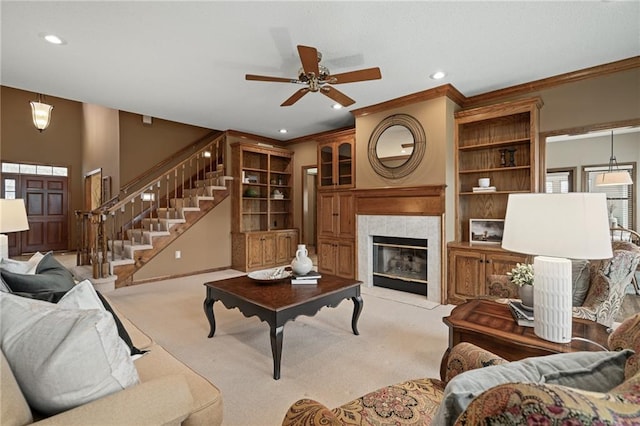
(419, 146)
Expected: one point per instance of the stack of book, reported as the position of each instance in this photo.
(523, 315)
(311, 277)
(484, 189)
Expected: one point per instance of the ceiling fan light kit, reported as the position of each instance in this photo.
(318, 78)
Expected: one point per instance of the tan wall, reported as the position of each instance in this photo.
(204, 246)
(306, 154)
(142, 146)
(60, 144)
(432, 115)
(101, 142)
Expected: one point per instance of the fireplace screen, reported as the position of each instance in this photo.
(400, 263)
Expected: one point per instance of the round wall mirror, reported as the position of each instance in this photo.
(397, 145)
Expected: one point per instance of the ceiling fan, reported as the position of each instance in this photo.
(317, 78)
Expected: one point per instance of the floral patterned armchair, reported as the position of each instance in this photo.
(608, 280)
(416, 402)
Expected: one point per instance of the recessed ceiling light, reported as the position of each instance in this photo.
(437, 75)
(283, 130)
(52, 38)
(336, 106)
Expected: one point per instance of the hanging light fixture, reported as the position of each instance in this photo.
(614, 176)
(41, 113)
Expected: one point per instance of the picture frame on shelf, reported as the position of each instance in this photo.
(486, 231)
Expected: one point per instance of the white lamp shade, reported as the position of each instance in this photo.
(613, 178)
(13, 216)
(574, 225)
(41, 114)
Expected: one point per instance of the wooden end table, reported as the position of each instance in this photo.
(277, 303)
(490, 325)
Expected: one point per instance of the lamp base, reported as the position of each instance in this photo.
(552, 313)
(4, 247)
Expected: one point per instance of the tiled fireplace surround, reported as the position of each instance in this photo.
(414, 212)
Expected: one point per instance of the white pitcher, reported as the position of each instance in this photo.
(301, 264)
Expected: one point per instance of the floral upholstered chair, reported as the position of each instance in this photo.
(605, 284)
(543, 402)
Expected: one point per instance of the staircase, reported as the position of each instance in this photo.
(152, 211)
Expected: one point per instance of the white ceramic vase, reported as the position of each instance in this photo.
(301, 264)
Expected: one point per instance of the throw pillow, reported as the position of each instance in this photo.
(3, 285)
(589, 371)
(580, 280)
(84, 296)
(50, 277)
(62, 358)
(22, 266)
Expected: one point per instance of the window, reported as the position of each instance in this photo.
(34, 169)
(560, 181)
(620, 198)
(10, 189)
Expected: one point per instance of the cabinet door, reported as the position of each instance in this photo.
(255, 250)
(327, 215)
(345, 216)
(269, 248)
(466, 275)
(501, 263)
(325, 165)
(345, 264)
(287, 245)
(327, 256)
(343, 165)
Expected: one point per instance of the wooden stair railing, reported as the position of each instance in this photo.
(149, 206)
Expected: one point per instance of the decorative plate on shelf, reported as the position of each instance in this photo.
(268, 276)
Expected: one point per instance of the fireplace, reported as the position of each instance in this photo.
(400, 263)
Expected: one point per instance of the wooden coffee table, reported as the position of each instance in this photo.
(490, 325)
(277, 303)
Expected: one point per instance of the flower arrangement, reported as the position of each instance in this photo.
(522, 274)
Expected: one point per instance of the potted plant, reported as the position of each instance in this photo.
(522, 276)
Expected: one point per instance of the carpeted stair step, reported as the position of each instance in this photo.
(201, 191)
(145, 236)
(126, 249)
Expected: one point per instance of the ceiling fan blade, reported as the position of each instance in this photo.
(353, 76)
(337, 96)
(295, 97)
(267, 78)
(309, 59)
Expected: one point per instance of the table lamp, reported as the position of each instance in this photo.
(13, 218)
(555, 227)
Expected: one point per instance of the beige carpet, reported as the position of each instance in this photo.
(401, 337)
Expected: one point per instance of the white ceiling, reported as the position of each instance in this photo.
(186, 61)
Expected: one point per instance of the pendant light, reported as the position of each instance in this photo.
(614, 176)
(41, 114)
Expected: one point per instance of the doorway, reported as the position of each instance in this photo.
(46, 201)
(309, 207)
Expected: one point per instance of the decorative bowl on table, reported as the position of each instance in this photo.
(268, 276)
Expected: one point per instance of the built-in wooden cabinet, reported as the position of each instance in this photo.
(336, 233)
(262, 207)
(336, 257)
(471, 266)
(336, 161)
(261, 250)
(499, 142)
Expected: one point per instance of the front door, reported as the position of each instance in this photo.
(46, 201)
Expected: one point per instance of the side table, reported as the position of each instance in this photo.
(490, 325)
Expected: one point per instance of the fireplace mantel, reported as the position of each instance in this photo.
(427, 200)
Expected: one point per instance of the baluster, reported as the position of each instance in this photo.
(167, 197)
(122, 230)
(158, 202)
(182, 190)
(113, 235)
(131, 227)
(175, 185)
(191, 174)
(151, 208)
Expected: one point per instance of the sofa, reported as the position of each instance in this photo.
(599, 286)
(494, 394)
(163, 391)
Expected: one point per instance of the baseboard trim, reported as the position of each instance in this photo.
(174, 276)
